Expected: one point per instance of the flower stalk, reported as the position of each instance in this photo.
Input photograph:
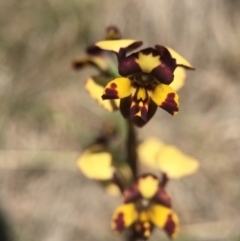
(136, 84)
(131, 145)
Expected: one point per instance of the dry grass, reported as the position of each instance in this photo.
(46, 115)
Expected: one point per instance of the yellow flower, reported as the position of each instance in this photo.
(146, 79)
(146, 204)
(166, 158)
(96, 163)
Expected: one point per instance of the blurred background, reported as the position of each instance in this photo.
(46, 116)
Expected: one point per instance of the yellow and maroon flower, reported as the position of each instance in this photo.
(106, 63)
(146, 205)
(146, 78)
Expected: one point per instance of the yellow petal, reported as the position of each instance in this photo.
(95, 90)
(165, 97)
(179, 58)
(148, 151)
(96, 165)
(176, 164)
(179, 78)
(124, 216)
(164, 218)
(116, 45)
(117, 89)
(148, 62)
(148, 185)
(180, 72)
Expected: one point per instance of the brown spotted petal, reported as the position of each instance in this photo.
(166, 98)
(124, 216)
(117, 89)
(165, 219)
(171, 226)
(95, 90)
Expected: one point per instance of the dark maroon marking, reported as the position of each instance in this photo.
(169, 226)
(152, 108)
(134, 110)
(121, 55)
(164, 180)
(138, 234)
(131, 194)
(163, 73)
(144, 113)
(148, 51)
(162, 197)
(78, 64)
(125, 105)
(166, 57)
(113, 86)
(111, 93)
(138, 121)
(169, 104)
(94, 50)
(128, 66)
(119, 221)
(133, 46)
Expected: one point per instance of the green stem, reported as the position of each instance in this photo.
(132, 149)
